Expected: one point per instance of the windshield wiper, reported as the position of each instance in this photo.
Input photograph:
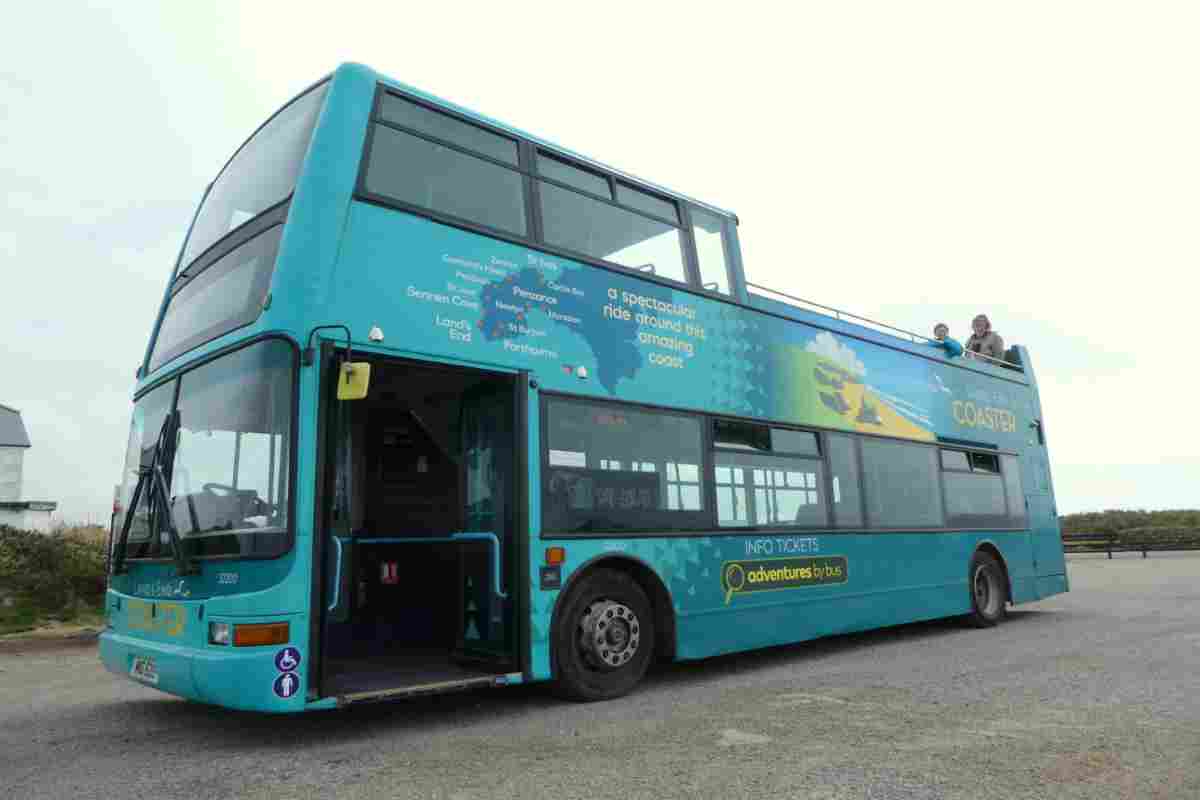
(152, 479)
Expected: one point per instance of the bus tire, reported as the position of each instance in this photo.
(604, 637)
(989, 591)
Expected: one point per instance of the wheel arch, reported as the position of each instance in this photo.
(660, 599)
(990, 547)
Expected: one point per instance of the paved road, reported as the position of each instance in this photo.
(1095, 694)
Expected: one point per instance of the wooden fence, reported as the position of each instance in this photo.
(1143, 540)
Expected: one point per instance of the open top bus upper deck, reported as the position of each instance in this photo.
(331, 181)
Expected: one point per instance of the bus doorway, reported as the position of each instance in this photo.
(421, 550)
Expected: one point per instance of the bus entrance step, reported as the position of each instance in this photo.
(441, 687)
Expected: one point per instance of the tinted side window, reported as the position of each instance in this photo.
(955, 459)
(985, 462)
(902, 484)
(573, 176)
(741, 435)
(225, 295)
(599, 230)
(843, 466)
(804, 443)
(612, 468)
(974, 500)
(263, 173)
(447, 128)
(643, 201)
(769, 490)
(416, 171)
(1014, 491)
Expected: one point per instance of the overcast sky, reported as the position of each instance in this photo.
(913, 162)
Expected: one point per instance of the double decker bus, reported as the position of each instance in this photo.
(433, 404)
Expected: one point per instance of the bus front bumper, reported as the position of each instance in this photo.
(240, 678)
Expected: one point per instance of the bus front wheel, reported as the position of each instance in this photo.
(989, 591)
(604, 637)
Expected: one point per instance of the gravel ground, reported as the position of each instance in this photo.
(1094, 694)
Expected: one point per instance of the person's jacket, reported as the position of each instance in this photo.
(951, 346)
(990, 344)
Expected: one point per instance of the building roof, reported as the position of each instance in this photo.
(12, 429)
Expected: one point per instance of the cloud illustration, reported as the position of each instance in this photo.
(827, 346)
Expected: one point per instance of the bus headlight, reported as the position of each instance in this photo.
(219, 633)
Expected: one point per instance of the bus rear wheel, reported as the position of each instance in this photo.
(604, 637)
(989, 591)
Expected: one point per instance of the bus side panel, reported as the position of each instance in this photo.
(888, 579)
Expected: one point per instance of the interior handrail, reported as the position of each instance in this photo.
(465, 536)
(915, 338)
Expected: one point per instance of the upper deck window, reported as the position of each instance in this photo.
(710, 250)
(449, 129)
(573, 176)
(423, 158)
(644, 201)
(610, 233)
(644, 234)
(222, 296)
(260, 175)
(430, 175)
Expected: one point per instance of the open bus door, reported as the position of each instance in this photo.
(424, 538)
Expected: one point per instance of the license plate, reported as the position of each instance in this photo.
(143, 670)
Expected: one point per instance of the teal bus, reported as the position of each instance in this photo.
(433, 404)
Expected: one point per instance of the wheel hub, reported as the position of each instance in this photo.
(609, 634)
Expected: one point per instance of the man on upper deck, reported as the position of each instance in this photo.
(984, 340)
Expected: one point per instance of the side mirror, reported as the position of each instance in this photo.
(354, 379)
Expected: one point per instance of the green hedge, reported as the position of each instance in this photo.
(1115, 520)
(1160, 535)
(56, 573)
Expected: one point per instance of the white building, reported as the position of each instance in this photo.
(14, 510)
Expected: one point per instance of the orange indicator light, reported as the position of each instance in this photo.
(555, 556)
(260, 634)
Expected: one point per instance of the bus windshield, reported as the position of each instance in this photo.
(229, 477)
(261, 174)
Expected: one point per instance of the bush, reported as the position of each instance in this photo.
(1117, 520)
(56, 573)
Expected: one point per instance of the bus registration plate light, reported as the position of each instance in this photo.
(259, 634)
